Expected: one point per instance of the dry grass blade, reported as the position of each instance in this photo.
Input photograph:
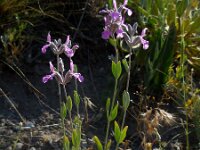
(12, 104)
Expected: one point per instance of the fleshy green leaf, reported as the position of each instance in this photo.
(69, 103)
(116, 69)
(113, 42)
(181, 6)
(117, 132)
(76, 98)
(98, 143)
(126, 99)
(113, 113)
(66, 143)
(63, 111)
(74, 135)
(123, 134)
(124, 62)
(108, 145)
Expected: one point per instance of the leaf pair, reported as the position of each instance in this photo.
(116, 69)
(99, 144)
(119, 134)
(112, 114)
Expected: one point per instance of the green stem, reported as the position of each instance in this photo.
(129, 71)
(127, 86)
(117, 146)
(114, 96)
(123, 121)
(77, 110)
(112, 105)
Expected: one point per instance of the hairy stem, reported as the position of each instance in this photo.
(112, 105)
(59, 87)
(114, 97)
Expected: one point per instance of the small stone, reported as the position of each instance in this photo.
(32, 148)
(9, 148)
(19, 146)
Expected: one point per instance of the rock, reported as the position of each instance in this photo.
(19, 146)
(9, 148)
(32, 148)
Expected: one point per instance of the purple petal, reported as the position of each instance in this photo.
(106, 34)
(78, 76)
(119, 33)
(115, 4)
(125, 2)
(71, 66)
(129, 12)
(44, 48)
(69, 52)
(104, 11)
(107, 20)
(46, 78)
(49, 38)
(145, 43)
(144, 32)
(115, 15)
(51, 67)
(75, 47)
(67, 40)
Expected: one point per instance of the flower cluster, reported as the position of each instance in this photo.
(58, 48)
(133, 40)
(114, 20)
(116, 28)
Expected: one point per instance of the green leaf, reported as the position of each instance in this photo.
(113, 113)
(123, 134)
(76, 137)
(161, 64)
(69, 103)
(63, 111)
(117, 132)
(76, 98)
(126, 99)
(66, 143)
(181, 5)
(116, 69)
(107, 107)
(195, 25)
(113, 42)
(108, 145)
(124, 62)
(98, 143)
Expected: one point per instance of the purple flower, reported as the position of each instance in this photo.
(144, 42)
(44, 48)
(77, 76)
(132, 40)
(114, 20)
(50, 76)
(61, 79)
(69, 49)
(56, 46)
